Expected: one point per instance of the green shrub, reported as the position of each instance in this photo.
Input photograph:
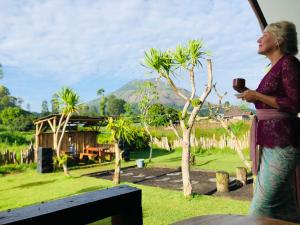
(239, 128)
(15, 168)
(104, 138)
(16, 119)
(140, 141)
(13, 138)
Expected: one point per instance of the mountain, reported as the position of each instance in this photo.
(129, 92)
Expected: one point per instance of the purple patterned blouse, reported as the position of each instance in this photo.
(282, 82)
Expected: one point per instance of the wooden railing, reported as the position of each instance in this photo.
(123, 204)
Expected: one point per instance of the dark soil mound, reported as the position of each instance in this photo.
(203, 182)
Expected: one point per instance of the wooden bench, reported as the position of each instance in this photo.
(90, 152)
(122, 203)
(93, 153)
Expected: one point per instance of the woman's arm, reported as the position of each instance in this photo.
(253, 96)
(290, 79)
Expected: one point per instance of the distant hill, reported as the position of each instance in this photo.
(128, 92)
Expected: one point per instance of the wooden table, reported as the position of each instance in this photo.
(90, 152)
(232, 220)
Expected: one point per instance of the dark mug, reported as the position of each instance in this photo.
(239, 84)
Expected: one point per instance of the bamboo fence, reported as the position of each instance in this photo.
(206, 143)
(10, 157)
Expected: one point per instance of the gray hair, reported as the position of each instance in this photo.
(286, 36)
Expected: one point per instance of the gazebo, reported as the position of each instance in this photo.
(79, 139)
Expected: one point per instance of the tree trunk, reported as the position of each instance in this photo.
(65, 167)
(185, 164)
(150, 154)
(222, 180)
(241, 175)
(151, 140)
(116, 178)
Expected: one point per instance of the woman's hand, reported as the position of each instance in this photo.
(248, 95)
(254, 96)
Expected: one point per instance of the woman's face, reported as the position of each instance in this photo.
(267, 43)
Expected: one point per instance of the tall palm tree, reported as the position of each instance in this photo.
(102, 101)
(120, 130)
(68, 100)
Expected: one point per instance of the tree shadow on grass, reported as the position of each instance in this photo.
(174, 159)
(145, 154)
(207, 162)
(28, 185)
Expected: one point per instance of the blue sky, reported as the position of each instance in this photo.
(92, 44)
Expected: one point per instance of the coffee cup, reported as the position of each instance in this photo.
(239, 84)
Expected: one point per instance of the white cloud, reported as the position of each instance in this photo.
(71, 40)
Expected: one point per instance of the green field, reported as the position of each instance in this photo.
(30, 187)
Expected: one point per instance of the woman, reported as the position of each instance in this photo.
(277, 100)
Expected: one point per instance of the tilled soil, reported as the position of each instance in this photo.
(203, 182)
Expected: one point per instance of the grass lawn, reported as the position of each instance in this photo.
(160, 206)
(215, 159)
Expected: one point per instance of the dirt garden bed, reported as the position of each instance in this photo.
(203, 182)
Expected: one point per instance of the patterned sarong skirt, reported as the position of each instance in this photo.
(274, 195)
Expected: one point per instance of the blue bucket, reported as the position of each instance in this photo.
(140, 163)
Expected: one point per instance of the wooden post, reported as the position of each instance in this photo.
(38, 128)
(53, 128)
(222, 180)
(241, 175)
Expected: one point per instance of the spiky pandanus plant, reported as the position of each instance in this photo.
(120, 130)
(68, 101)
(169, 65)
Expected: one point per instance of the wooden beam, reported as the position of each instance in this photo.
(51, 125)
(54, 138)
(44, 120)
(259, 14)
(40, 128)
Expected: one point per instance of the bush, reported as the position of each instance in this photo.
(15, 168)
(16, 119)
(160, 115)
(239, 128)
(13, 138)
(104, 138)
(140, 141)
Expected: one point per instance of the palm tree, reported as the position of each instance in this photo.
(102, 101)
(68, 101)
(100, 91)
(168, 65)
(120, 130)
